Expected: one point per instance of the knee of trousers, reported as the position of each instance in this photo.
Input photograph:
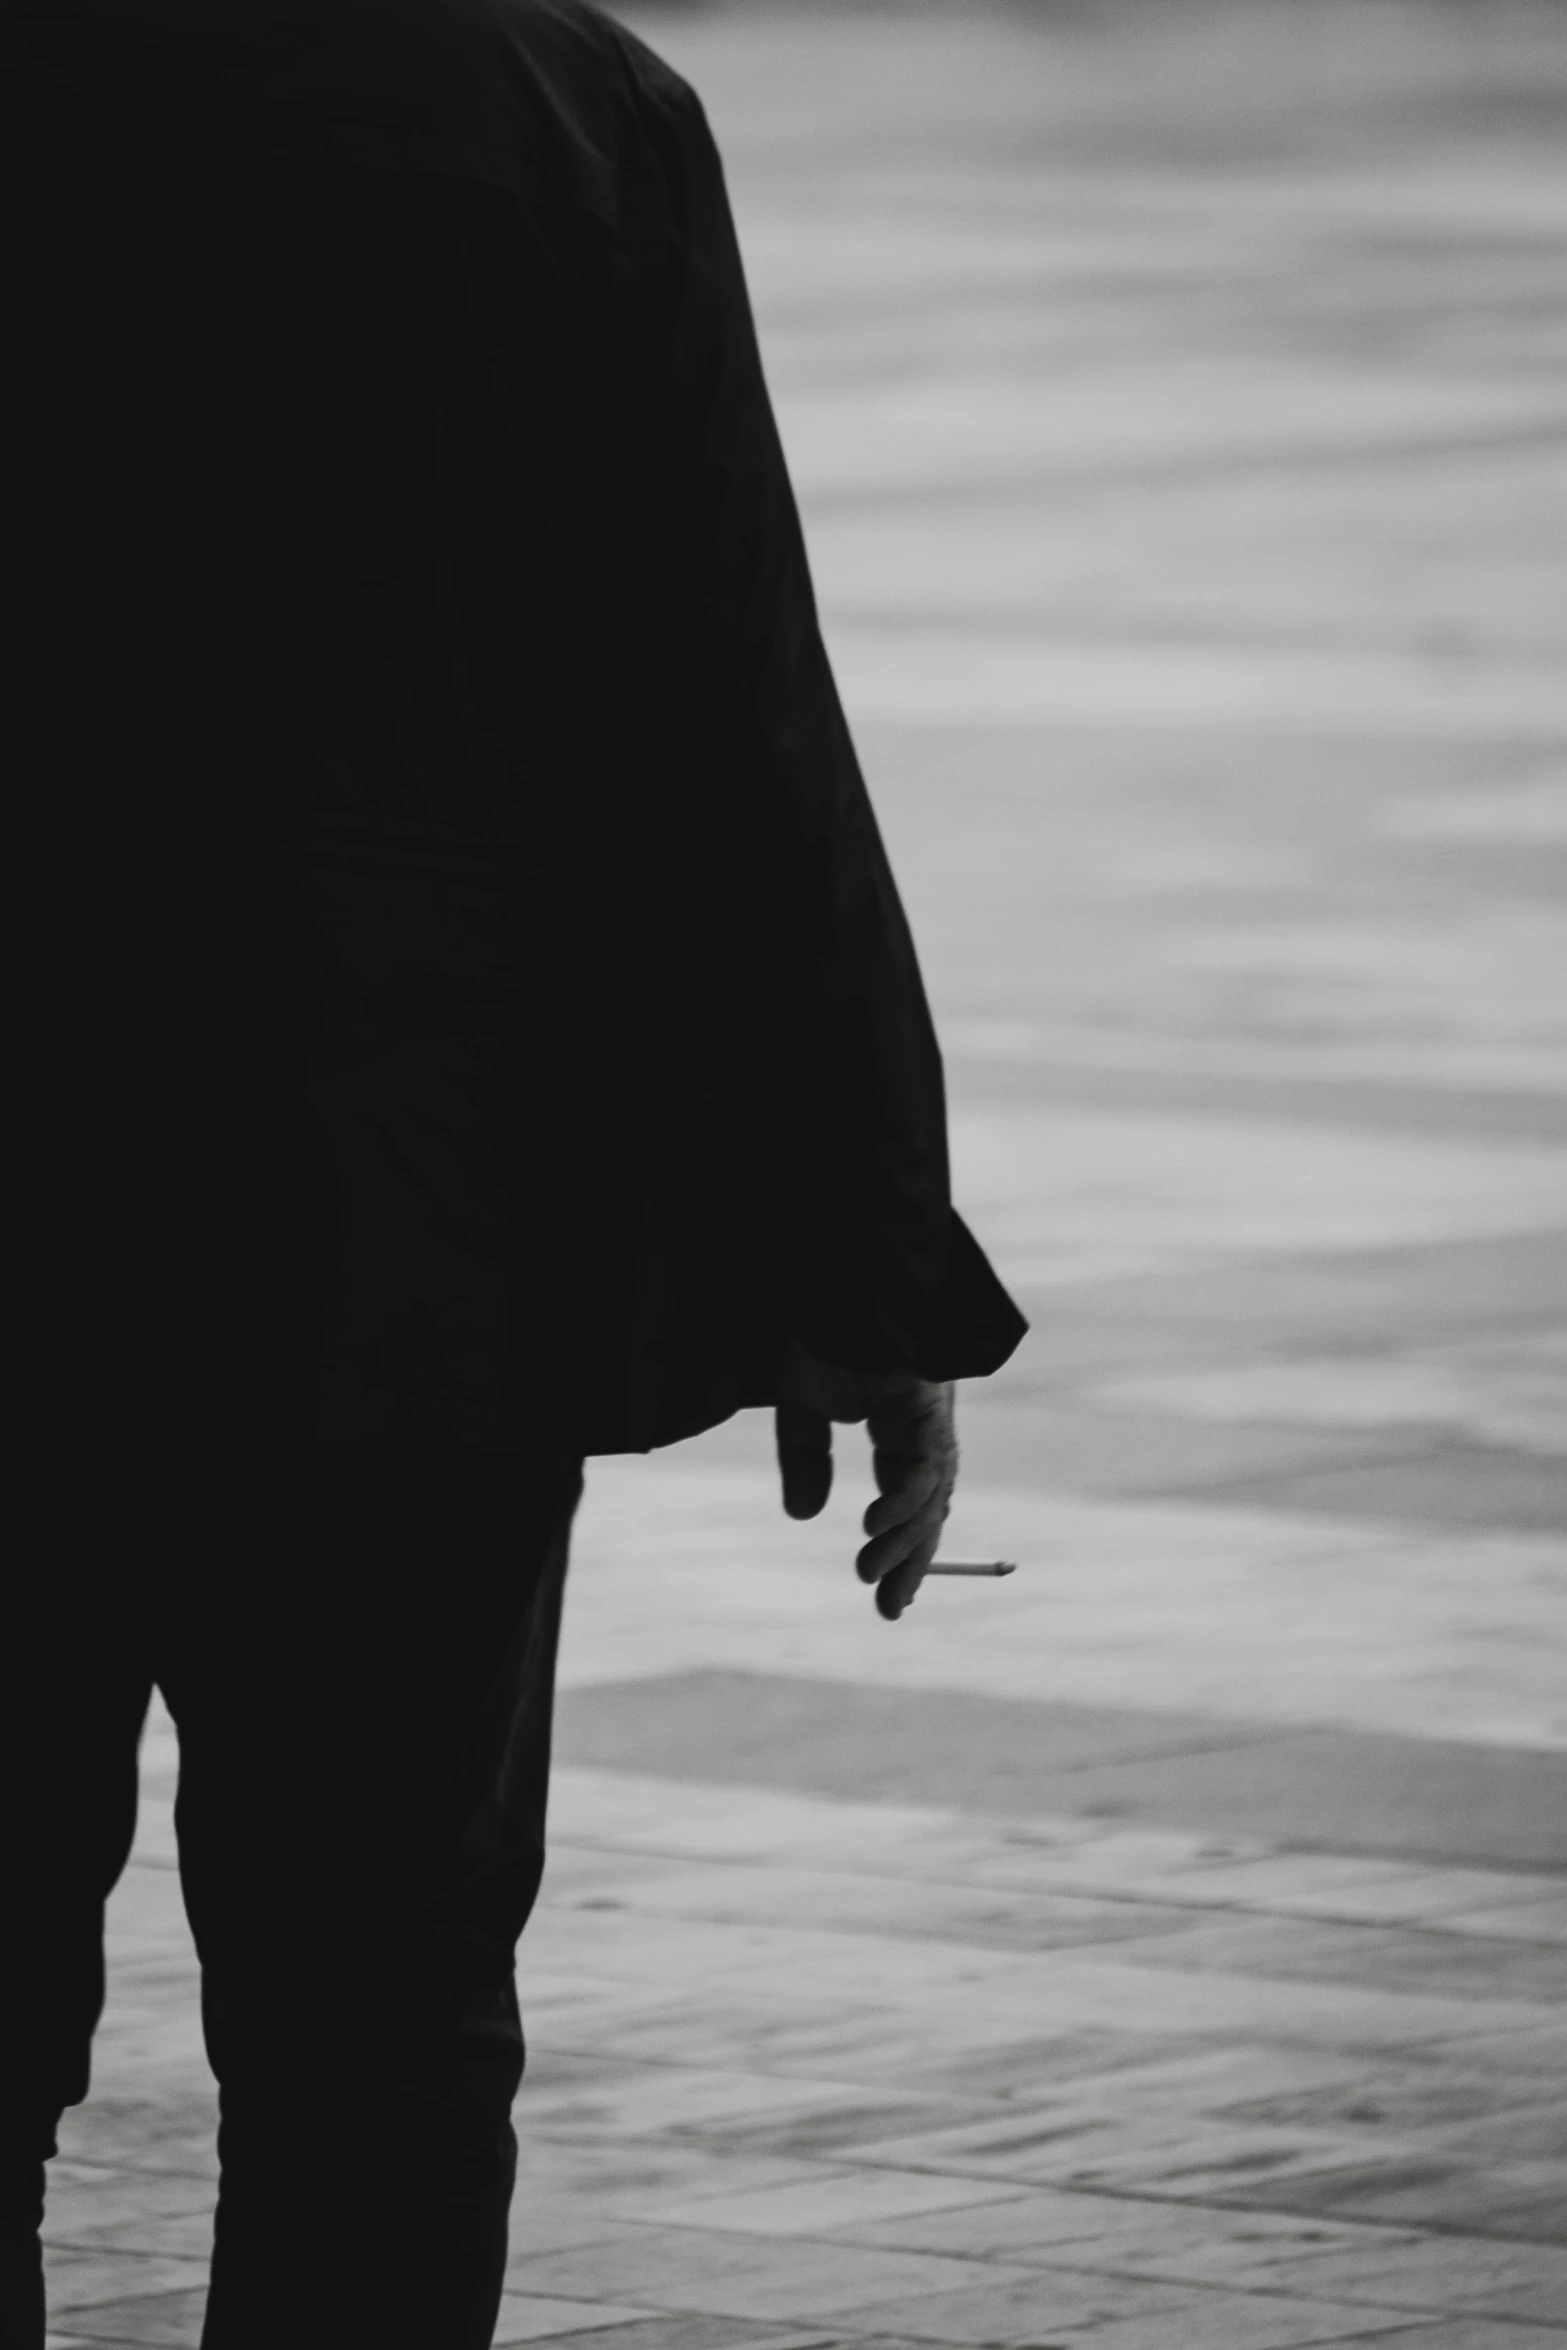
(415, 2153)
(390, 2048)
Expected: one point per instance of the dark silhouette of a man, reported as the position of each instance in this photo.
(470, 1025)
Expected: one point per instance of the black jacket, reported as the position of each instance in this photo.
(471, 963)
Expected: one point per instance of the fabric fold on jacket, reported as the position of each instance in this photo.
(432, 696)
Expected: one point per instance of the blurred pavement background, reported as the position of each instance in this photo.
(1175, 399)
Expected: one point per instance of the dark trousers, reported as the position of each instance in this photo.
(357, 1646)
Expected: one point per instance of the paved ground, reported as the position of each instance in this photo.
(1164, 1947)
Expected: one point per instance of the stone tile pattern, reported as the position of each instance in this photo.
(804, 2070)
(1174, 400)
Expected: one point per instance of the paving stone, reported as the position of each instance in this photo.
(1001, 1918)
(1529, 1921)
(188, 2236)
(760, 1974)
(1345, 1790)
(983, 1072)
(555, 2223)
(171, 2321)
(829, 2131)
(78, 2196)
(616, 2176)
(1127, 2235)
(1479, 2333)
(1214, 2248)
(144, 2133)
(1236, 2321)
(760, 1718)
(1079, 1445)
(1513, 1397)
(1374, 1299)
(1224, 2077)
(79, 2278)
(840, 2036)
(1024, 2070)
(1536, 2132)
(1206, 2161)
(1170, 2070)
(1086, 2141)
(1537, 2051)
(690, 2332)
(531, 2317)
(836, 2204)
(1460, 1485)
(1455, 1965)
(1420, 2091)
(701, 2269)
(1520, 2200)
(1014, 2225)
(1006, 2307)
(640, 2100)
(1520, 2281)
(1448, 1897)
(1078, 1194)
(1218, 2077)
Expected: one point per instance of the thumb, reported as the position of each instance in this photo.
(804, 1458)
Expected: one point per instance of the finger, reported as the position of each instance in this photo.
(898, 1503)
(896, 1591)
(889, 1551)
(804, 1458)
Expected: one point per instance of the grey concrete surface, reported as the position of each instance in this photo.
(1335, 1790)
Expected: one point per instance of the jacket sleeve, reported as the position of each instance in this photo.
(846, 1091)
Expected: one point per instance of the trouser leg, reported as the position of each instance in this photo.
(75, 1693)
(364, 1720)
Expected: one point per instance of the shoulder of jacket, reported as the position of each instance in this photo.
(651, 84)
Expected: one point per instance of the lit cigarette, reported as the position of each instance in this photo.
(973, 1567)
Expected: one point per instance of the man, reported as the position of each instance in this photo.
(475, 1029)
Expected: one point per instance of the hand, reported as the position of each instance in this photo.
(914, 1453)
